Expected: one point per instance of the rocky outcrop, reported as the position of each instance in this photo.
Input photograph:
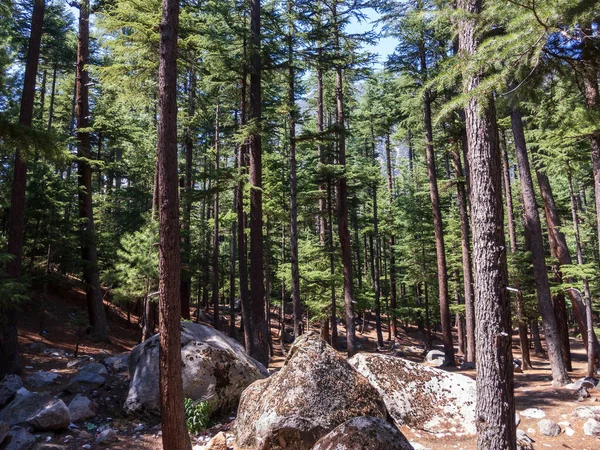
(421, 397)
(54, 416)
(24, 405)
(19, 439)
(364, 433)
(315, 391)
(215, 369)
(8, 388)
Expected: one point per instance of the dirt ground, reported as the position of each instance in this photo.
(62, 330)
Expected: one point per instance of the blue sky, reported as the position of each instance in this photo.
(384, 47)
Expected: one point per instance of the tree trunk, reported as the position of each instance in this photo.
(232, 271)
(296, 306)
(333, 315)
(260, 350)
(9, 362)
(438, 227)
(174, 430)
(495, 410)
(586, 285)
(537, 341)
(560, 249)
(186, 274)
(215, 241)
(342, 202)
(52, 96)
(89, 253)
(465, 232)
(521, 320)
(375, 254)
(241, 224)
(533, 228)
(391, 240)
(283, 293)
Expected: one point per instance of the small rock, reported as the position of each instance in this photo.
(139, 428)
(468, 366)
(587, 412)
(108, 436)
(592, 428)
(19, 439)
(116, 364)
(435, 357)
(84, 435)
(41, 379)
(81, 408)
(86, 446)
(8, 388)
(87, 379)
(418, 446)
(54, 416)
(219, 442)
(569, 431)
(533, 413)
(549, 428)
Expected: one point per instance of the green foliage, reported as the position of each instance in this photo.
(197, 415)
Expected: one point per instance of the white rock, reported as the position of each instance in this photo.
(549, 428)
(361, 433)
(435, 357)
(215, 368)
(533, 413)
(587, 412)
(421, 397)
(108, 436)
(592, 428)
(569, 431)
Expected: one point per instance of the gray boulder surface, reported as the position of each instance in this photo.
(54, 416)
(315, 391)
(364, 433)
(8, 388)
(24, 405)
(215, 368)
(19, 439)
(89, 377)
(421, 397)
(549, 427)
(81, 408)
(41, 379)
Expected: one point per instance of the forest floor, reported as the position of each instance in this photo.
(61, 331)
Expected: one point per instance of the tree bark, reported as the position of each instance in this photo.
(296, 306)
(260, 350)
(391, 240)
(438, 227)
(342, 200)
(174, 430)
(215, 242)
(559, 245)
(89, 252)
(9, 362)
(52, 97)
(375, 252)
(586, 286)
(533, 228)
(495, 410)
(465, 232)
(186, 275)
(521, 321)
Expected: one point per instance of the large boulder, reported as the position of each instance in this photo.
(54, 416)
(8, 388)
(24, 405)
(421, 397)
(364, 433)
(315, 391)
(215, 369)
